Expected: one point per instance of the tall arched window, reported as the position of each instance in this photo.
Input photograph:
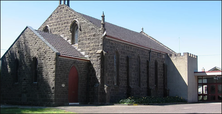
(128, 80)
(148, 78)
(156, 73)
(139, 77)
(75, 32)
(35, 64)
(127, 70)
(16, 70)
(164, 80)
(46, 29)
(116, 68)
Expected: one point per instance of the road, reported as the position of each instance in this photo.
(170, 108)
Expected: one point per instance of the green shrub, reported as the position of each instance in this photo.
(129, 100)
(151, 99)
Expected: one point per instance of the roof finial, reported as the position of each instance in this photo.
(142, 29)
(103, 23)
(203, 69)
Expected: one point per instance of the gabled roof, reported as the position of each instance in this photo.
(215, 69)
(55, 42)
(130, 36)
(60, 44)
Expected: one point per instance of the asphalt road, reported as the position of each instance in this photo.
(170, 108)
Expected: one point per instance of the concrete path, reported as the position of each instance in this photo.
(171, 108)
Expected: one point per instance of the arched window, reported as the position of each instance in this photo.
(35, 64)
(156, 73)
(16, 70)
(46, 29)
(148, 78)
(74, 29)
(164, 80)
(139, 77)
(116, 68)
(128, 80)
(127, 70)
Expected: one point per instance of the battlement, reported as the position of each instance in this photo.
(185, 54)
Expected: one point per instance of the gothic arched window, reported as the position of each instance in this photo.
(139, 77)
(116, 68)
(16, 70)
(35, 72)
(74, 29)
(156, 73)
(164, 79)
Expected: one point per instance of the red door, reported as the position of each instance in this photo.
(73, 85)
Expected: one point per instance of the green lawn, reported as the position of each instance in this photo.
(32, 110)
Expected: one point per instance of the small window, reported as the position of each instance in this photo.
(156, 73)
(75, 32)
(116, 68)
(16, 70)
(35, 64)
(139, 77)
(46, 29)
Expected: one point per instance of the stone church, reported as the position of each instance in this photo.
(75, 58)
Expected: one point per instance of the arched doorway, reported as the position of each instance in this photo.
(73, 85)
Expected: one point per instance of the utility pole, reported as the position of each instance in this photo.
(179, 44)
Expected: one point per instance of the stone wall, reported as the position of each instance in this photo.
(27, 46)
(63, 66)
(117, 92)
(90, 39)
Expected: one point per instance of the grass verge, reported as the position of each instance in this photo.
(32, 110)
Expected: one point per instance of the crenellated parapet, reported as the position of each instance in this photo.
(185, 54)
(192, 55)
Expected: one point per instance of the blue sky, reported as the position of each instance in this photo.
(184, 26)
